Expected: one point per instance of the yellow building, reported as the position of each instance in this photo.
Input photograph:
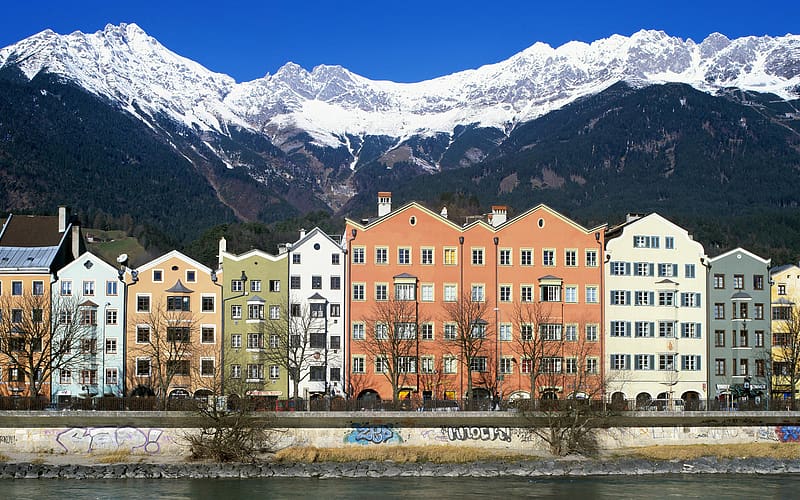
(785, 325)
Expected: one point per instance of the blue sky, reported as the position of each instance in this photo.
(403, 41)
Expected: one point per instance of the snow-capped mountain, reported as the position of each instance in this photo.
(341, 110)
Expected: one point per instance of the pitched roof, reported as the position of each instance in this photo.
(27, 258)
(31, 231)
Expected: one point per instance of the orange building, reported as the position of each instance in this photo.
(525, 292)
(172, 328)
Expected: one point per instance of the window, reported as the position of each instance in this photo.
(550, 293)
(358, 331)
(426, 292)
(643, 268)
(759, 338)
(643, 362)
(255, 285)
(381, 255)
(336, 282)
(426, 256)
(336, 374)
(64, 377)
(407, 364)
(477, 256)
(296, 258)
(571, 332)
(16, 315)
(274, 312)
(644, 329)
(177, 303)
(381, 364)
(450, 257)
(478, 330)
(317, 310)
(478, 293)
(88, 316)
(669, 242)
(111, 287)
(505, 293)
(255, 311)
(592, 365)
(66, 288)
(643, 298)
(178, 334)
(207, 334)
(781, 312)
(358, 291)
(274, 341)
(719, 366)
(316, 373)
(236, 371)
(450, 364)
(591, 333)
(591, 258)
(207, 304)
(158, 275)
(688, 270)
(760, 368)
(274, 372)
(744, 367)
(381, 291)
(526, 332)
(548, 258)
(477, 364)
(620, 361)
(719, 338)
(505, 257)
(526, 365)
(294, 282)
(719, 310)
(111, 346)
(334, 259)
(450, 331)
(758, 282)
(690, 330)
(526, 293)
(316, 282)
(236, 311)
(142, 367)
(16, 288)
(506, 365)
(88, 288)
(236, 340)
(758, 311)
(505, 331)
(255, 371)
(591, 294)
(666, 329)
(666, 361)
(142, 303)
(358, 255)
(450, 293)
(427, 364)
(640, 241)
(191, 276)
(111, 316)
(620, 268)
(570, 258)
(404, 256)
(89, 346)
(526, 257)
(274, 285)
(666, 298)
(426, 331)
(38, 287)
(743, 337)
(142, 334)
(89, 377)
(738, 281)
(667, 270)
(358, 364)
(405, 291)
(571, 294)
(620, 329)
(550, 331)
(620, 297)
(255, 341)
(719, 281)
(690, 299)
(207, 367)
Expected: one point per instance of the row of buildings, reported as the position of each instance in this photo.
(409, 304)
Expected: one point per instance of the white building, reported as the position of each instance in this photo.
(655, 312)
(316, 285)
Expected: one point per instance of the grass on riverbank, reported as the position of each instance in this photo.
(746, 450)
(404, 454)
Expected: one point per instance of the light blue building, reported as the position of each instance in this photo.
(88, 291)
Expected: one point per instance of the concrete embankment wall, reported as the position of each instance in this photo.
(155, 433)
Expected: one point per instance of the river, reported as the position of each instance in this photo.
(612, 487)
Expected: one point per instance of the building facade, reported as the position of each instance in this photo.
(739, 339)
(655, 302)
(785, 327)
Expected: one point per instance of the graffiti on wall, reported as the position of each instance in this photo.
(365, 434)
(468, 433)
(8, 439)
(788, 433)
(89, 439)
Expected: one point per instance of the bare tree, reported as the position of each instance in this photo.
(166, 343)
(39, 337)
(391, 340)
(786, 350)
(469, 314)
(533, 346)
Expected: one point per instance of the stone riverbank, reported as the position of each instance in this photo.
(577, 467)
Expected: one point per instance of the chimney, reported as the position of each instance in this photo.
(223, 248)
(444, 212)
(499, 215)
(630, 217)
(302, 233)
(62, 219)
(384, 203)
(76, 240)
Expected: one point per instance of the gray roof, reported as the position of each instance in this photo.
(27, 257)
(179, 288)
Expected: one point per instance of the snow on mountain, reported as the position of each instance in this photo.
(125, 64)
